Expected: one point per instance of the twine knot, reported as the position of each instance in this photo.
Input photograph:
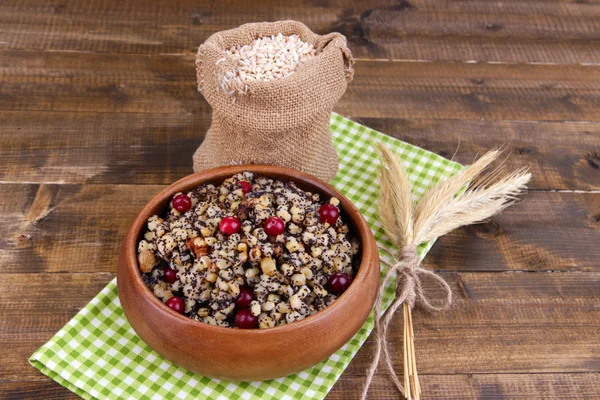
(405, 271)
(409, 287)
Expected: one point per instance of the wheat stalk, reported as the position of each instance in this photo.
(463, 199)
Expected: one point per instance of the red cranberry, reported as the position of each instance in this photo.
(230, 225)
(169, 275)
(245, 320)
(338, 283)
(329, 213)
(245, 297)
(182, 203)
(274, 226)
(246, 186)
(176, 304)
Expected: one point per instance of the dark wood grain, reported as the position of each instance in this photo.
(482, 387)
(587, 8)
(46, 389)
(561, 155)
(443, 387)
(578, 386)
(99, 112)
(165, 84)
(98, 148)
(408, 30)
(408, 33)
(531, 236)
(46, 303)
(128, 148)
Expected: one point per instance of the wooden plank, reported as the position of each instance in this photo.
(388, 26)
(45, 389)
(544, 232)
(71, 147)
(471, 91)
(79, 68)
(422, 30)
(80, 229)
(550, 386)
(35, 307)
(478, 50)
(561, 155)
(36, 304)
(52, 81)
(72, 82)
(507, 322)
(446, 387)
(480, 386)
(508, 32)
(500, 322)
(586, 8)
(62, 228)
(153, 28)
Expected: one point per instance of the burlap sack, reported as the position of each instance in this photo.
(283, 122)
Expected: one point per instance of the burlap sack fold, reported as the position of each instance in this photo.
(283, 122)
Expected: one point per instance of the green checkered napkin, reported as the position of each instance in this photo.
(98, 356)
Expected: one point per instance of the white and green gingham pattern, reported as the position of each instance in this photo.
(98, 356)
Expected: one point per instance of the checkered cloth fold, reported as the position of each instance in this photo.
(98, 355)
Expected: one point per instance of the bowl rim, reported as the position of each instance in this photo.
(363, 231)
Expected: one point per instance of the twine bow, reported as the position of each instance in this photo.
(409, 290)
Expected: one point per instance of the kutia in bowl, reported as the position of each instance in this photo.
(250, 252)
(323, 310)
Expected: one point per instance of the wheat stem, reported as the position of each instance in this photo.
(405, 348)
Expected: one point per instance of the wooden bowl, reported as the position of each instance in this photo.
(243, 354)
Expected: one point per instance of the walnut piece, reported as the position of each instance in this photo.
(198, 246)
(147, 260)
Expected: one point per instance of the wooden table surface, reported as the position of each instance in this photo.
(99, 111)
